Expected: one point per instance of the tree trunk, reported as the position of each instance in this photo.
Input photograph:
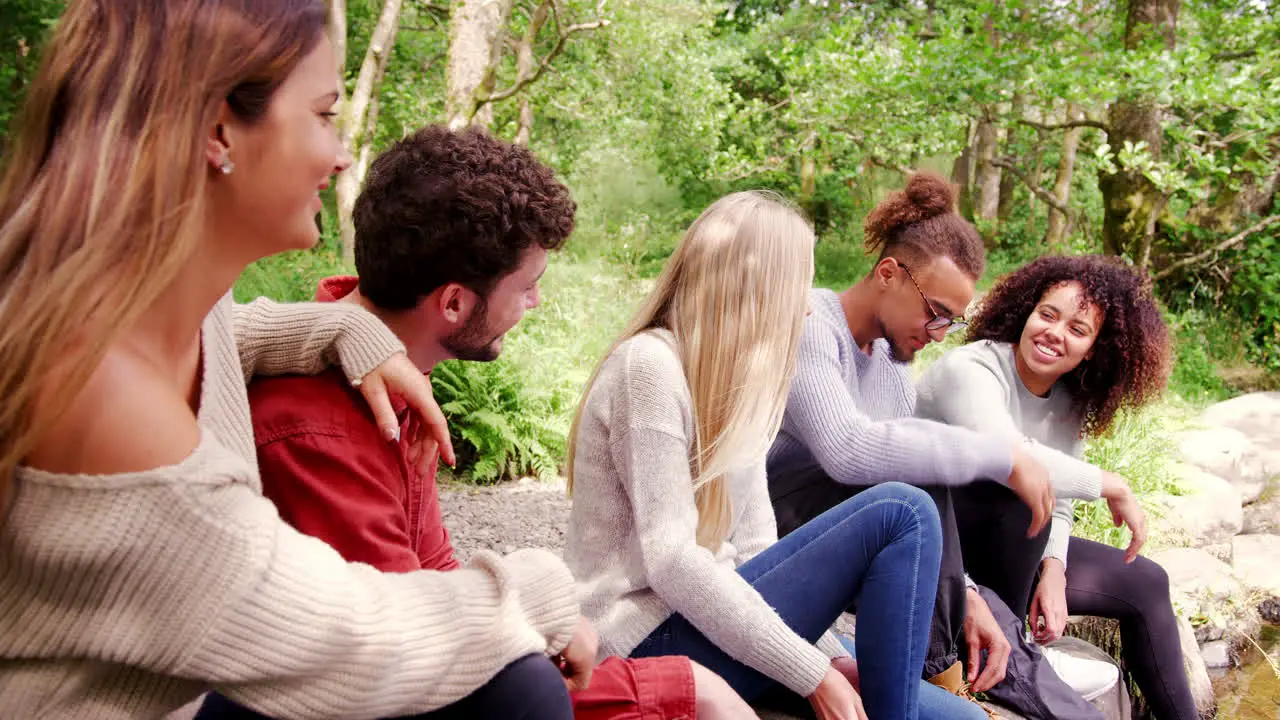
(338, 38)
(524, 68)
(1060, 223)
(476, 32)
(1008, 183)
(988, 180)
(1129, 199)
(962, 175)
(357, 131)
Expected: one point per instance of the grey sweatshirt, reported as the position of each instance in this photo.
(848, 419)
(977, 387)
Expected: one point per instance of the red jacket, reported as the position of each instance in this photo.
(326, 466)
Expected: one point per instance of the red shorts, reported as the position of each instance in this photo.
(658, 688)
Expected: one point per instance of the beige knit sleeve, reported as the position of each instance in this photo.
(277, 338)
(291, 630)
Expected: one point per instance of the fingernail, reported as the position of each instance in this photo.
(393, 434)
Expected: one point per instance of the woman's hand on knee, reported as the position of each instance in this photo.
(1049, 604)
(835, 699)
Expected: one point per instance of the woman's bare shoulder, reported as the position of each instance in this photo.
(126, 419)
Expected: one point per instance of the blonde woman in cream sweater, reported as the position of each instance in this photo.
(164, 147)
(672, 535)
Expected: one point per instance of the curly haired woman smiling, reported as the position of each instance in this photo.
(1057, 349)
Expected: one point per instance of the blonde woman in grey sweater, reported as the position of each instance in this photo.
(672, 536)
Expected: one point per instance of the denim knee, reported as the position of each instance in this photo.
(923, 508)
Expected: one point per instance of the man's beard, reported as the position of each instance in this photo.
(474, 341)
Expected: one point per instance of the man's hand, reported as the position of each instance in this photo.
(982, 632)
(1125, 511)
(1049, 604)
(1030, 481)
(578, 658)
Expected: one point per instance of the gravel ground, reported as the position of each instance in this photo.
(505, 517)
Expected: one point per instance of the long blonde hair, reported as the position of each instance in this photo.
(734, 294)
(101, 194)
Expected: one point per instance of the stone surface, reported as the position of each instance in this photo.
(1263, 516)
(1209, 512)
(1255, 414)
(1231, 455)
(1205, 590)
(1197, 673)
(1216, 654)
(1257, 565)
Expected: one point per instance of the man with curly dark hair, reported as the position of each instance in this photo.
(848, 426)
(1055, 351)
(453, 233)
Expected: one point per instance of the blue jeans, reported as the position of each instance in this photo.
(936, 703)
(879, 551)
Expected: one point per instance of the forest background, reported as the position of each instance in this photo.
(1148, 129)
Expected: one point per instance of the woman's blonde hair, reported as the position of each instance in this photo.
(101, 194)
(734, 293)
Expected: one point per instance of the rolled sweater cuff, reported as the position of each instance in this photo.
(1059, 540)
(791, 661)
(1078, 481)
(365, 343)
(547, 594)
(831, 646)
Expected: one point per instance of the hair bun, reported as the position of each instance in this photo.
(930, 193)
(927, 195)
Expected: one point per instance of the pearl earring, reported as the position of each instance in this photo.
(227, 166)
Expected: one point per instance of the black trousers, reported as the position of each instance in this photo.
(984, 527)
(997, 553)
(530, 688)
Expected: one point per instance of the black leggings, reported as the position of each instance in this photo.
(530, 688)
(997, 554)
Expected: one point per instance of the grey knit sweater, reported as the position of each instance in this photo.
(632, 529)
(848, 419)
(977, 387)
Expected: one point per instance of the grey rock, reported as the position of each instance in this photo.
(1257, 565)
(1209, 512)
(1204, 589)
(1231, 455)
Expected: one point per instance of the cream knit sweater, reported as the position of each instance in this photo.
(126, 596)
(632, 529)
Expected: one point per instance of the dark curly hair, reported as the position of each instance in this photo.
(920, 223)
(442, 206)
(1130, 361)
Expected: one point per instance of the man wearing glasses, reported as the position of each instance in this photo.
(848, 421)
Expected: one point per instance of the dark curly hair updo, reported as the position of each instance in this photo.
(920, 223)
(441, 206)
(1130, 361)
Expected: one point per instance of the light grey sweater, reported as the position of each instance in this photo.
(632, 529)
(977, 387)
(849, 419)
